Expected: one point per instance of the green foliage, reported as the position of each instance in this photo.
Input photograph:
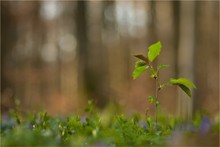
(161, 86)
(186, 90)
(161, 66)
(151, 99)
(154, 51)
(90, 107)
(182, 81)
(140, 66)
(184, 84)
(43, 130)
(90, 130)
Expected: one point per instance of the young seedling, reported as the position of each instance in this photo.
(145, 63)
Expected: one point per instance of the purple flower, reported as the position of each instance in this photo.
(5, 118)
(59, 138)
(205, 125)
(83, 120)
(31, 126)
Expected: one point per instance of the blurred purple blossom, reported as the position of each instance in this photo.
(31, 126)
(83, 119)
(59, 138)
(205, 125)
(5, 118)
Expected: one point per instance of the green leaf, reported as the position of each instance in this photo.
(142, 57)
(186, 90)
(184, 84)
(138, 71)
(139, 64)
(151, 99)
(161, 66)
(154, 51)
(182, 81)
(140, 67)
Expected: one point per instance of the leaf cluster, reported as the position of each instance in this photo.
(145, 63)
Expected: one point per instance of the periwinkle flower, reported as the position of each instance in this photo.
(83, 120)
(58, 138)
(205, 125)
(5, 118)
(31, 126)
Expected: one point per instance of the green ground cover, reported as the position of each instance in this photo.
(97, 129)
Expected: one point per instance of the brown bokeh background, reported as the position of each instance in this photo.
(56, 56)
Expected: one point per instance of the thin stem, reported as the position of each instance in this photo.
(156, 96)
(157, 84)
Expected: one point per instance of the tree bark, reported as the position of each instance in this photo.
(186, 54)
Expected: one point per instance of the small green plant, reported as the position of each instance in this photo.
(146, 63)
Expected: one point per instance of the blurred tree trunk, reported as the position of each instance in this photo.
(92, 57)
(97, 54)
(176, 20)
(207, 57)
(186, 54)
(81, 25)
(8, 38)
(152, 25)
(17, 49)
(6, 41)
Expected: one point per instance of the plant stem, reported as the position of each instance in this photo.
(156, 102)
(157, 84)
